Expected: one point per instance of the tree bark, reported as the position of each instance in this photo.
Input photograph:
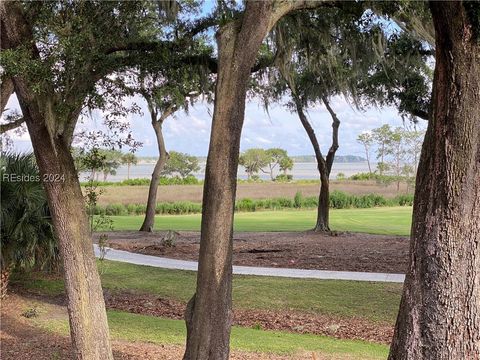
(157, 124)
(209, 314)
(367, 154)
(6, 89)
(4, 281)
(323, 211)
(439, 314)
(85, 302)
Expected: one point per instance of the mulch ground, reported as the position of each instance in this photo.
(284, 320)
(305, 250)
(20, 337)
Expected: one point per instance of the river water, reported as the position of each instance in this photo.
(304, 171)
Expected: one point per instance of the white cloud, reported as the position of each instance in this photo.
(190, 132)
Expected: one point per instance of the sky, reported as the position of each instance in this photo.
(190, 132)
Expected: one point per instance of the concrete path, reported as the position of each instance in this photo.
(161, 262)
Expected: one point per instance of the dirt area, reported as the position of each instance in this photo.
(304, 250)
(282, 320)
(170, 193)
(24, 337)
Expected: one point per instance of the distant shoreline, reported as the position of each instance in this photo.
(341, 159)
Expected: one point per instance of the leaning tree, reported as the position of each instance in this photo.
(167, 90)
(440, 308)
(321, 54)
(209, 312)
(345, 51)
(59, 56)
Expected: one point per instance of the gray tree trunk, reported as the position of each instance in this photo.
(439, 314)
(324, 165)
(85, 303)
(209, 313)
(157, 124)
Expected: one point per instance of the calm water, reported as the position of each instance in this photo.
(299, 171)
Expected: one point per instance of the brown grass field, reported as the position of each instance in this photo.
(170, 193)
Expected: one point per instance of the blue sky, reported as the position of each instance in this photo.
(190, 132)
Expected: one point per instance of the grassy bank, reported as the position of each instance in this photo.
(367, 300)
(141, 328)
(385, 221)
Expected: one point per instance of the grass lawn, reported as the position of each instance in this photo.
(133, 327)
(371, 301)
(385, 220)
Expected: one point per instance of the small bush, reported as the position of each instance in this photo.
(340, 200)
(298, 199)
(115, 210)
(284, 178)
(310, 202)
(246, 205)
(404, 200)
(134, 182)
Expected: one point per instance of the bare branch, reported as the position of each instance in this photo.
(335, 126)
(11, 125)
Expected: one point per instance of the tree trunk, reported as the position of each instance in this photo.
(4, 280)
(128, 171)
(368, 159)
(149, 220)
(323, 205)
(85, 302)
(6, 89)
(439, 314)
(323, 222)
(324, 165)
(209, 314)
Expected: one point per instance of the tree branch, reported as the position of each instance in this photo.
(11, 125)
(335, 126)
(420, 114)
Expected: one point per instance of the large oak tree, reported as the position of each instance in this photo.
(59, 56)
(439, 314)
(209, 312)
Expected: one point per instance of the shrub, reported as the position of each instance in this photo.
(404, 200)
(115, 210)
(310, 202)
(176, 180)
(245, 205)
(341, 176)
(298, 199)
(284, 178)
(135, 182)
(364, 176)
(340, 200)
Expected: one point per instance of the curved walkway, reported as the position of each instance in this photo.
(166, 263)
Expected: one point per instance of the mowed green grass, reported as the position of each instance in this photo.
(385, 221)
(376, 302)
(133, 327)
